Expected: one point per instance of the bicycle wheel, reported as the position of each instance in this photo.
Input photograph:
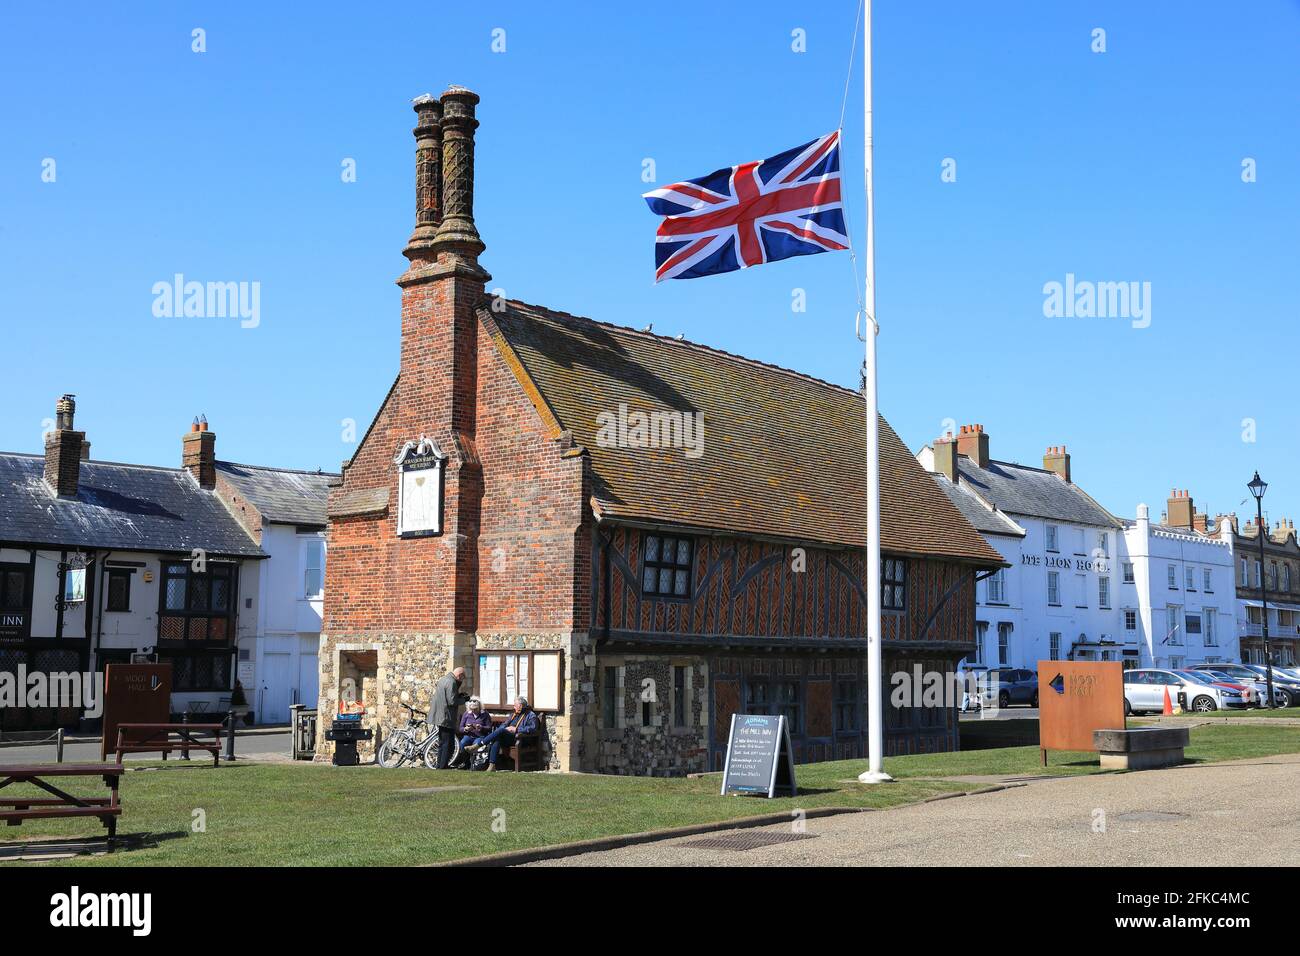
(395, 751)
(431, 752)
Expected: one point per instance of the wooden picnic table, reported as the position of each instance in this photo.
(60, 803)
(146, 738)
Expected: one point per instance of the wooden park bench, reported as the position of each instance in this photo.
(526, 752)
(150, 738)
(14, 810)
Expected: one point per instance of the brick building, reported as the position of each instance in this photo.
(643, 535)
(1279, 575)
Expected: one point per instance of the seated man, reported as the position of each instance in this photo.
(474, 724)
(522, 721)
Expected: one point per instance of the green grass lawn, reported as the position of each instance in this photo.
(1292, 712)
(259, 814)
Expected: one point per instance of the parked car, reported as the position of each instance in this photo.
(1250, 691)
(1286, 689)
(1144, 691)
(1243, 674)
(1011, 685)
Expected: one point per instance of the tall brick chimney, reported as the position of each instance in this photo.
(443, 289)
(973, 442)
(63, 450)
(1057, 459)
(1179, 509)
(444, 284)
(428, 178)
(199, 453)
(945, 457)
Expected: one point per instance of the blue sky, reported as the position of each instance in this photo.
(225, 166)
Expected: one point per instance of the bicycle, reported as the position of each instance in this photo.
(416, 741)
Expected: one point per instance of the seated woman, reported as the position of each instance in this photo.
(522, 721)
(474, 723)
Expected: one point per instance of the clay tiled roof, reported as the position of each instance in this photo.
(783, 454)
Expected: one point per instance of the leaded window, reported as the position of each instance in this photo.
(666, 566)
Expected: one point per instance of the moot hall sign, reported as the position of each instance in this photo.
(639, 596)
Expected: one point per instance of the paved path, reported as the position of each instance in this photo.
(255, 746)
(1192, 816)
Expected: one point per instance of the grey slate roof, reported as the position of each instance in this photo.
(118, 507)
(281, 494)
(985, 519)
(1022, 490)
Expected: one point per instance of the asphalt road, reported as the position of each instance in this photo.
(1190, 816)
(258, 745)
(1003, 713)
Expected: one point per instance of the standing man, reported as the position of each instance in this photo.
(447, 699)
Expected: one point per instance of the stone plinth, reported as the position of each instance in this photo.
(1143, 748)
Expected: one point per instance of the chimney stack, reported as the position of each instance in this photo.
(1181, 511)
(1225, 521)
(974, 444)
(457, 236)
(199, 453)
(428, 179)
(63, 450)
(1057, 459)
(945, 457)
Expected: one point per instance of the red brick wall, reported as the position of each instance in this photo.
(508, 557)
(532, 509)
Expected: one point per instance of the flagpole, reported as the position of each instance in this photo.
(875, 772)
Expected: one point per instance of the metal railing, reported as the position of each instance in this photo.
(1252, 629)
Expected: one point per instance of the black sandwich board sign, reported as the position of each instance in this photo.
(759, 758)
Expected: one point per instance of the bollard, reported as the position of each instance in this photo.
(230, 737)
(295, 731)
(58, 745)
(185, 736)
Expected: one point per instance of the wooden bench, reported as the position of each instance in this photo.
(14, 810)
(526, 752)
(148, 738)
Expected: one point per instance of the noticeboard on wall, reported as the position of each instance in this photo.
(537, 676)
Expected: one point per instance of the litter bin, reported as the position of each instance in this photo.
(344, 734)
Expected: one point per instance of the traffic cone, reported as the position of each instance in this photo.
(1169, 707)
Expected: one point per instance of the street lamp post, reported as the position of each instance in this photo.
(1257, 488)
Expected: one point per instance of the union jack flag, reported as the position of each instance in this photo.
(746, 215)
